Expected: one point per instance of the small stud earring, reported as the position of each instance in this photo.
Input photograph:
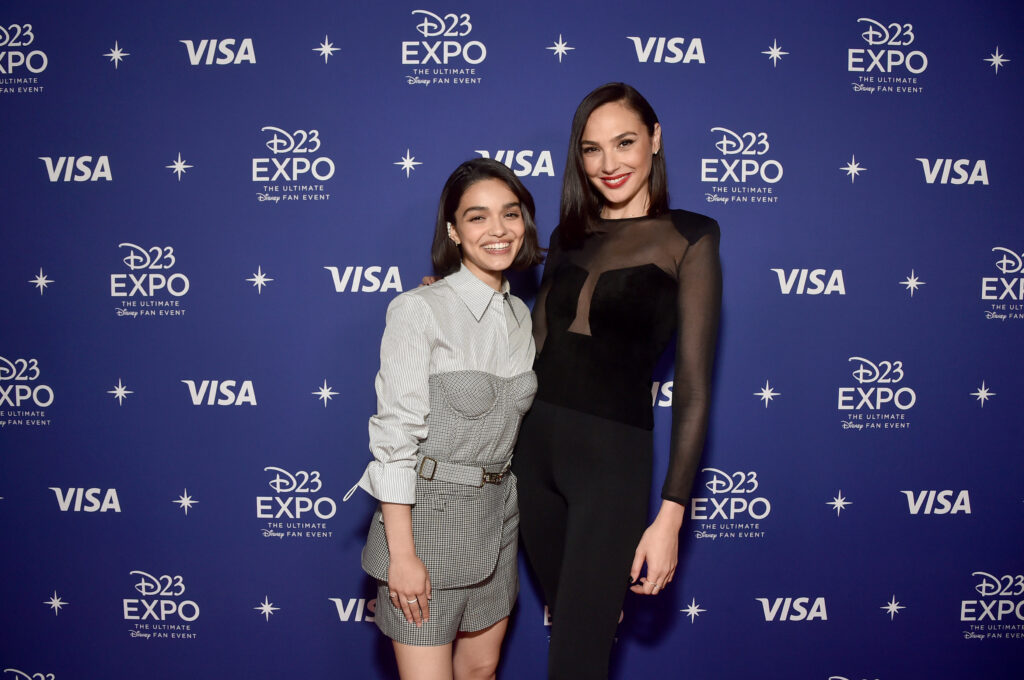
(449, 225)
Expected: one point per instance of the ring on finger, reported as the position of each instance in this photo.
(412, 600)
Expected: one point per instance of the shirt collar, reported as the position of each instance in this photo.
(475, 293)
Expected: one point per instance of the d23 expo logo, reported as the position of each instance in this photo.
(446, 55)
(296, 171)
(295, 510)
(743, 173)
(20, 62)
(734, 509)
(879, 401)
(149, 288)
(23, 399)
(161, 610)
(1004, 294)
(997, 613)
(22, 675)
(888, 65)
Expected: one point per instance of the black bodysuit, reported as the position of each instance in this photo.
(606, 309)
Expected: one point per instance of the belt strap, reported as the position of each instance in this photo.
(470, 475)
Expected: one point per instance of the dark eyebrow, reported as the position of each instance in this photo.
(514, 204)
(614, 139)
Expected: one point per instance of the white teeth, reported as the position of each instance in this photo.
(497, 246)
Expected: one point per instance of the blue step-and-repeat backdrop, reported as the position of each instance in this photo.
(208, 206)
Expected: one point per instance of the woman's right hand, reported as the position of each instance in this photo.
(428, 280)
(409, 588)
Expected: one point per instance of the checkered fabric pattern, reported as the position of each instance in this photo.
(470, 608)
(458, 529)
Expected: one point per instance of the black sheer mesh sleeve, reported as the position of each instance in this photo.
(699, 306)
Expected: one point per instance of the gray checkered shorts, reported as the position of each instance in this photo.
(466, 609)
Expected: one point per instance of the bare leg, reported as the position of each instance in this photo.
(424, 663)
(477, 654)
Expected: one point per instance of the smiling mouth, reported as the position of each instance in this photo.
(498, 248)
(615, 181)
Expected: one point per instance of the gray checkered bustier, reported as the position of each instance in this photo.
(474, 416)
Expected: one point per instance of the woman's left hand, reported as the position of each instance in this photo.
(659, 548)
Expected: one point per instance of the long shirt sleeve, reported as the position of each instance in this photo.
(403, 402)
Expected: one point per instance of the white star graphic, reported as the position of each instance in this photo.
(560, 48)
(912, 283)
(852, 168)
(41, 281)
(178, 167)
(408, 162)
(325, 393)
(997, 60)
(327, 48)
(56, 603)
(839, 503)
(185, 501)
(259, 279)
(767, 393)
(892, 608)
(693, 610)
(983, 393)
(116, 54)
(266, 607)
(775, 53)
(120, 392)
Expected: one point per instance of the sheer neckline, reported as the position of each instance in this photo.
(625, 219)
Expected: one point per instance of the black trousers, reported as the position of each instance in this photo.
(584, 487)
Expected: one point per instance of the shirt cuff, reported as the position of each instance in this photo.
(390, 482)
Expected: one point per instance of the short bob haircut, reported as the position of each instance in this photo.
(581, 203)
(445, 254)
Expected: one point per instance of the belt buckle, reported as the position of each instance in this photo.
(433, 470)
(491, 477)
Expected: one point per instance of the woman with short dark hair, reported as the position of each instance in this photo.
(453, 385)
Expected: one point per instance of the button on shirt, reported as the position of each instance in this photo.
(459, 323)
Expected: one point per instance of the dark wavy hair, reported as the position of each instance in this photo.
(445, 254)
(581, 202)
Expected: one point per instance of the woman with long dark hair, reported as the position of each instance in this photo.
(623, 273)
(453, 385)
